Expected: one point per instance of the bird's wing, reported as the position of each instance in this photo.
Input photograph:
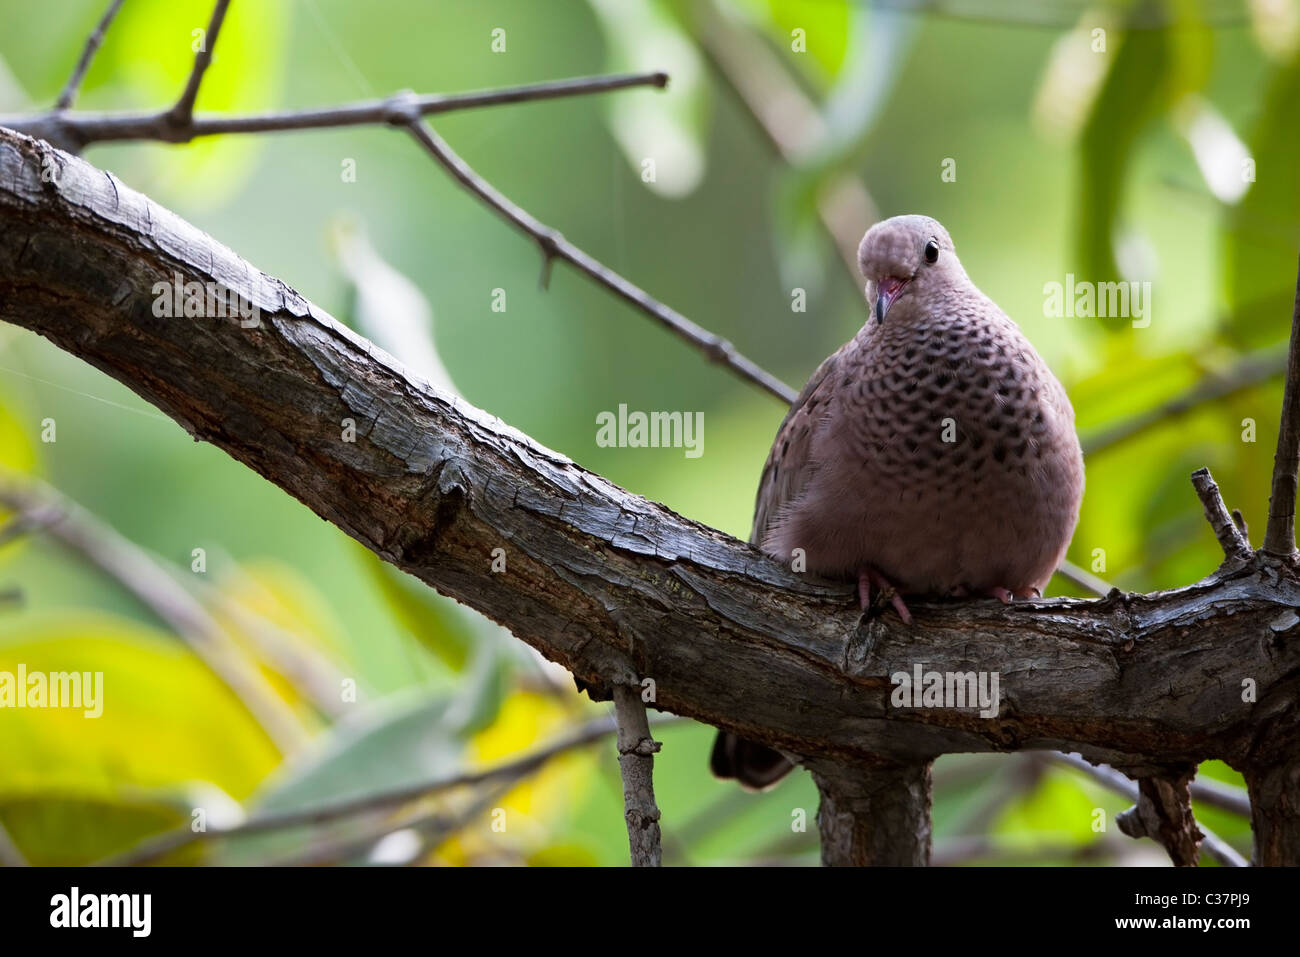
(789, 463)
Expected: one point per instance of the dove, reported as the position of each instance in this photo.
(934, 454)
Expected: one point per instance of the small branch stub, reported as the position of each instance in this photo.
(1235, 546)
(1164, 814)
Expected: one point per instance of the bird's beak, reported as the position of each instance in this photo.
(888, 290)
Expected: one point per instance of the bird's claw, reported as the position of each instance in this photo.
(868, 577)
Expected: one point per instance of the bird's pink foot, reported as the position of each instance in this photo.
(1001, 594)
(869, 576)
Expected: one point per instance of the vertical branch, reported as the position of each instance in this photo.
(874, 816)
(1279, 539)
(1274, 787)
(636, 750)
(1163, 812)
(183, 111)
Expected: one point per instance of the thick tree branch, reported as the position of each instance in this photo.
(876, 816)
(606, 583)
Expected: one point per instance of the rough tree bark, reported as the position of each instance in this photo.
(617, 588)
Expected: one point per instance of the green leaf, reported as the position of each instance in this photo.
(398, 741)
(1152, 70)
(166, 724)
(665, 126)
(1261, 235)
(434, 620)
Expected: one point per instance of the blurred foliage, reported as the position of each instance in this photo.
(1068, 159)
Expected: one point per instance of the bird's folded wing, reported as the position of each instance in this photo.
(789, 463)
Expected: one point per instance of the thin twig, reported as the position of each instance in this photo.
(1085, 579)
(85, 128)
(790, 122)
(308, 669)
(555, 246)
(1212, 793)
(183, 111)
(636, 751)
(129, 565)
(155, 847)
(73, 86)
(1250, 371)
(441, 825)
(1234, 545)
(1279, 538)
(26, 522)
(10, 856)
(1120, 783)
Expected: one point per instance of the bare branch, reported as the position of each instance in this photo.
(636, 751)
(132, 568)
(157, 847)
(1247, 373)
(1279, 538)
(183, 111)
(10, 856)
(1225, 797)
(437, 826)
(1085, 579)
(93, 42)
(1215, 846)
(1234, 545)
(80, 129)
(555, 246)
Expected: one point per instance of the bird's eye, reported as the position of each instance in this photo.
(932, 251)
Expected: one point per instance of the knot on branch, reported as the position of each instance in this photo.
(1164, 814)
(549, 242)
(718, 349)
(402, 109)
(643, 747)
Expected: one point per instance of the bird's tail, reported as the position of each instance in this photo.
(755, 766)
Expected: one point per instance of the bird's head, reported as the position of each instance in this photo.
(906, 256)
